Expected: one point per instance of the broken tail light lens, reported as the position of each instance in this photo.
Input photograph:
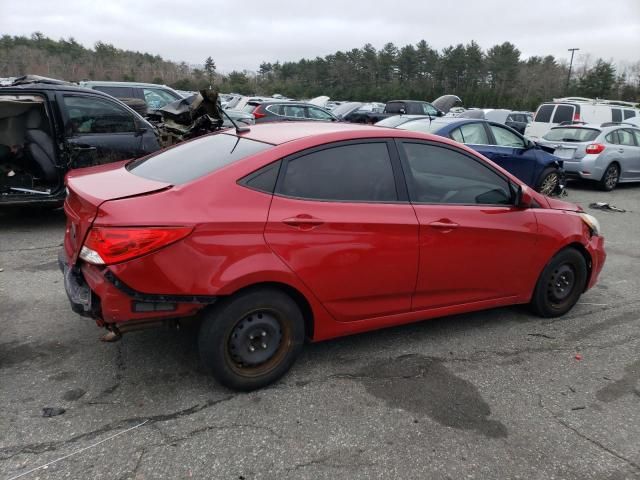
(107, 245)
(595, 148)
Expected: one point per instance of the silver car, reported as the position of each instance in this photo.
(608, 154)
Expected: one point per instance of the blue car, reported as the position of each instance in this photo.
(532, 163)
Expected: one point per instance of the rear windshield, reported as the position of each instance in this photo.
(186, 162)
(421, 126)
(571, 134)
(544, 113)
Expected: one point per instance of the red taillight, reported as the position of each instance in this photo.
(107, 245)
(595, 148)
(576, 117)
(258, 113)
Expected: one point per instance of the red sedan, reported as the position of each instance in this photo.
(308, 231)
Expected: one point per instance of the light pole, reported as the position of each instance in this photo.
(572, 50)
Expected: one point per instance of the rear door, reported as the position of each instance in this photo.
(475, 245)
(98, 130)
(629, 154)
(340, 220)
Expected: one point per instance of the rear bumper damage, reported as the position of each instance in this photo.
(95, 292)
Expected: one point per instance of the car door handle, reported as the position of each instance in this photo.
(303, 221)
(621, 150)
(84, 148)
(444, 225)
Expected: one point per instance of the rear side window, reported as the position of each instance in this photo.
(629, 114)
(474, 133)
(544, 113)
(616, 115)
(263, 179)
(612, 138)
(564, 113)
(358, 172)
(295, 111)
(571, 134)
(196, 158)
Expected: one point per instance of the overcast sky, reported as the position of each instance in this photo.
(241, 34)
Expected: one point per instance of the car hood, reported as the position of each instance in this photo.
(556, 204)
(445, 102)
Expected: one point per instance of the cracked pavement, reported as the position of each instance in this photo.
(495, 394)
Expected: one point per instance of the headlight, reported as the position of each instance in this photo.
(591, 222)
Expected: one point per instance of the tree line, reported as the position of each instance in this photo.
(497, 77)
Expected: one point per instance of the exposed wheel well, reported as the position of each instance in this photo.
(587, 257)
(297, 297)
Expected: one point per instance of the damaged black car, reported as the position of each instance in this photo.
(48, 127)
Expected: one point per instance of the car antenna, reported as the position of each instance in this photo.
(239, 129)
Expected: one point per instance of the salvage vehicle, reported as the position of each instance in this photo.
(153, 95)
(279, 111)
(579, 109)
(532, 163)
(48, 127)
(438, 108)
(607, 154)
(282, 233)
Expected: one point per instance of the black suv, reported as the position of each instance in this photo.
(278, 111)
(48, 127)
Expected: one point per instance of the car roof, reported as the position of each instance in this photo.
(278, 133)
(51, 86)
(107, 83)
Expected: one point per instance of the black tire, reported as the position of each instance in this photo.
(610, 177)
(231, 338)
(560, 284)
(549, 181)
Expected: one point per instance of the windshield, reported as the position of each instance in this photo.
(571, 134)
(194, 159)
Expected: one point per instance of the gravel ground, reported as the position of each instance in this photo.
(496, 394)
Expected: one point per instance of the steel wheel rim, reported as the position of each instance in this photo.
(549, 184)
(611, 177)
(561, 284)
(261, 360)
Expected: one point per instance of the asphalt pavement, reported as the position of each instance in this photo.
(499, 394)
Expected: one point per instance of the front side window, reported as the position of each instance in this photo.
(442, 175)
(157, 98)
(318, 114)
(474, 134)
(96, 115)
(358, 172)
(564, 113)
(506, 138)
(544, 113)
(629, 114)
(429, 109)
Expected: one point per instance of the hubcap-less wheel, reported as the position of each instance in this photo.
(611, 177)
(255, 339)
(549, 184)
(561, 284)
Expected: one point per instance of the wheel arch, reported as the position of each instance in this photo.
(296, 295)
(587, 258)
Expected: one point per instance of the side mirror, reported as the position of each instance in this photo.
(402, 111)
(529, 145)
(439, 114)
(524, 199)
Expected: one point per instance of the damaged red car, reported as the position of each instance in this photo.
(297, 232)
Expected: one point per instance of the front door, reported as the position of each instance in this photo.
(99, 130)
(337, 221)
(475, 245)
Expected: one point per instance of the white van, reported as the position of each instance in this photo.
(578, 109)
